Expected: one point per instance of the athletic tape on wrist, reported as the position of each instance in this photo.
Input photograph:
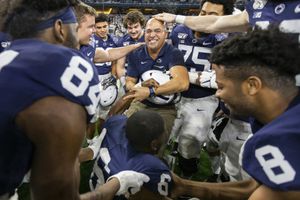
(179, 19)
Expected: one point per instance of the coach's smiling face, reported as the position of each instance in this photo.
(155, 35)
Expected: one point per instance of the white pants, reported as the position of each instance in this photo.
(193, 124)
(230, 142)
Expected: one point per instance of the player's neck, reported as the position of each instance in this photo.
(154, 52)
(140, 36)
(272, 100)
(105, 38)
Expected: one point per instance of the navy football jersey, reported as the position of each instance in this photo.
(104, 68)
(89, 50)
(271, 154)
(4, 41)
(140, 61)
(196, 54)
(127, 40)
(284, 13)
(116, 154)
(31, 70)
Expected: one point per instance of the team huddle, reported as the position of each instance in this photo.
(226, 81)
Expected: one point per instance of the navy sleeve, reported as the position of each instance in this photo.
(176, 58)
(132, 65)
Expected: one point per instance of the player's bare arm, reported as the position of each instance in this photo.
(265, 193)
(178, 83)
(211, 23)
(57, 128)
(114, 53)
(146, 194)
(213, 191)
(120, 69)
(130, 82)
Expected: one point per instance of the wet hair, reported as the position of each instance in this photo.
(269, 54)
(143, 127)
(23, 19)
(83, 9)
(134, 17)
(101, 18)
(228, 5)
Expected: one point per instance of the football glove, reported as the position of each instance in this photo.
(96, 142)
(206, 79)
(130, 181)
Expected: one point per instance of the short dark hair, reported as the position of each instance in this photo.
(7, 8)
(101, 18)
(228, 5)
(143, 127)
(134, 17)
(22, 22)
(269, 54)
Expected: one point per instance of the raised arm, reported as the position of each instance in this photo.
(210, 23)
(114, 53)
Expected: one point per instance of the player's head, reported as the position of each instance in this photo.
(249, 66)
(102, 25)
(145, 131)
(85, 15)
(155, 35)
(6, 8)
(52, 20)
(216, 7)
(134, 22)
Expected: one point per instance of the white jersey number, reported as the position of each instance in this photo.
(195, 51)
(277, 160)
(81, 70)
(7, 57)
(163, 187)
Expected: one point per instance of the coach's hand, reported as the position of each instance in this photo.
(150, 83)
(138, 94)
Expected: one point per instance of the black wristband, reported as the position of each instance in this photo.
(152, 93)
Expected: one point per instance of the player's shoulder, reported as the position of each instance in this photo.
(113, 38)
(124, 40)
(115, 120)
(148, 163)
(139, 53)
(171, 50)
(43, 51)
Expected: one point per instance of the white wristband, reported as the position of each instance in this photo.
(193, 76)
(179, 19)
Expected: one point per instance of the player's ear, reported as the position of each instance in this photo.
(253, 85)
(58, 31)
(154, 145)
